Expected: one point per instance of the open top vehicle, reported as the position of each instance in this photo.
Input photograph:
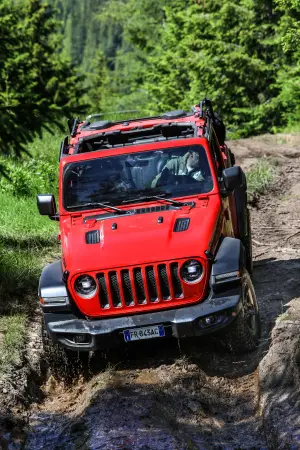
(155, 236)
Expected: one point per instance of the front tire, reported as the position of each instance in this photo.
(64, 364)
(244, 333)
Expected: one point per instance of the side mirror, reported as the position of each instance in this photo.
(232, 178)
(46, 205)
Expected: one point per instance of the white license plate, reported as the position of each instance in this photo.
(144, 333)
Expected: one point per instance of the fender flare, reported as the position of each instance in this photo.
(51, 281)
(240, 196)
(230, 258)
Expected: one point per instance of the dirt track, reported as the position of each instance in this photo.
(160, 397)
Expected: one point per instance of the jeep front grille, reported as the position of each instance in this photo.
(138, 286)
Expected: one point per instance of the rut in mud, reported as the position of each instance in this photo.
(161, 396)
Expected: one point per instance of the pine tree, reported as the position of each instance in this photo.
(170, 54)
(37, 87)
(217, 52)
(288, 80)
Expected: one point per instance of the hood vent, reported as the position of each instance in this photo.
(151, 209)
(181, 225)
(160, 208)
(92, 237)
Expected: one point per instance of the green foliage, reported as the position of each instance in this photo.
(21, 225)
(217, 52)
(260, 176)
(243, 55)
(13, 331)
(288, 75)
(290, 24)
(37, 174)
(148, 56)
(84, 34)
(32, 177)
(27, 243)
(37, 86)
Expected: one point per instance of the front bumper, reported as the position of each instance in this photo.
(96, 334)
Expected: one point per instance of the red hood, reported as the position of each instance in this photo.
(138, 239)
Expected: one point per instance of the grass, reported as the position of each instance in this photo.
(261, 175)
(21, 224)
(12, 330)
(27, 243)
(47, 145)
(290, 129)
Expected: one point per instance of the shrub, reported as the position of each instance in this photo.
(28, 178)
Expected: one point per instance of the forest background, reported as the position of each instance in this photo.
(74, 57)
(80, 56)
(157, 56)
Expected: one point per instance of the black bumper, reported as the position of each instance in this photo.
(189, 321)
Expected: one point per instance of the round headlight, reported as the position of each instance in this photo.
(85, 286)
(191, 271)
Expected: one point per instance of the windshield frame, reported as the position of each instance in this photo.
(136, 149)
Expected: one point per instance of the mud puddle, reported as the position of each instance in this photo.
(158, 396)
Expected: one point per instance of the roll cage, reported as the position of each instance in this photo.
(89, 135)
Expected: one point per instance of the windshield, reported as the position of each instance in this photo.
(172, 172)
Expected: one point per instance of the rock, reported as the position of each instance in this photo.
(193, 406)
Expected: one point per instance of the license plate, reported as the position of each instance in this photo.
(144, 333)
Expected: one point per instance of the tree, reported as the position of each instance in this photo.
(228, 51)
(137, 25)
(290, 24)
(288, 79)
(222, 51)
(37, 86)
(170, 54)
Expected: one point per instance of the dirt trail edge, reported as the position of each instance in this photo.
(163, 396)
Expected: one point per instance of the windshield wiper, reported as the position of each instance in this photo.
(148, 198)
(103, 205)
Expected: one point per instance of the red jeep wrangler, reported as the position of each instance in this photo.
(155, 236)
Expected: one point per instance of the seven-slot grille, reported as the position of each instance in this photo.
(139, 285)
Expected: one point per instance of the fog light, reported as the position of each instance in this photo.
(210, 320)
(81, 338)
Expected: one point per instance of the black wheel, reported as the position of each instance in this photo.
(244, 333)
(63, 363)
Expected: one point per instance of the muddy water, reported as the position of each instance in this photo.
(161, 396)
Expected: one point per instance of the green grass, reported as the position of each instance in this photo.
(290, 129)
(12, 332)
(261, 175)
(27, 242)
(48, 145)
(21, 224)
